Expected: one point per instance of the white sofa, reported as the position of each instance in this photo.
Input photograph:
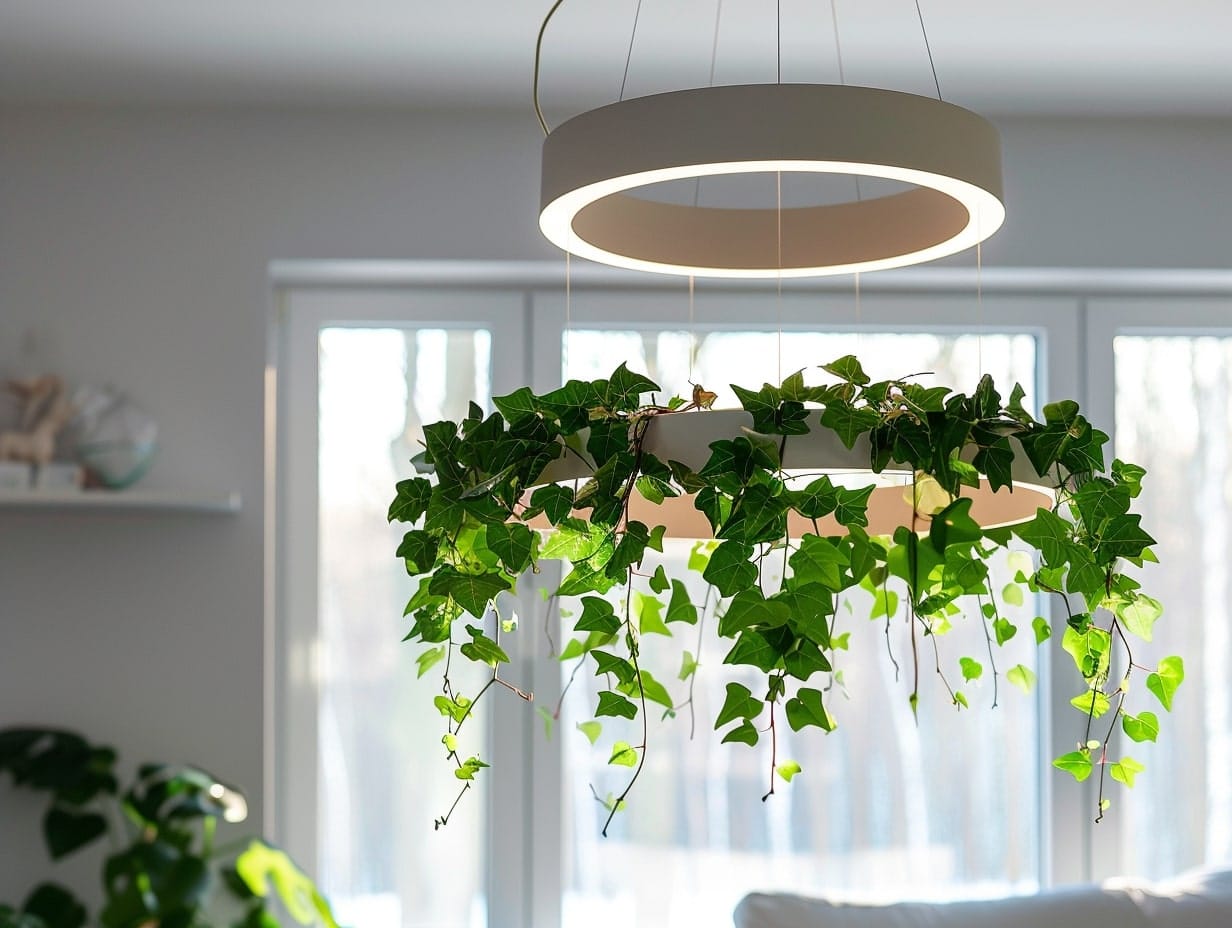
(1202, 899)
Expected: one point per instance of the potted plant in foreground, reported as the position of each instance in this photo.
(594, 474)
(164, 865)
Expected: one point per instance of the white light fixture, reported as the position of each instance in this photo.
(593, 162)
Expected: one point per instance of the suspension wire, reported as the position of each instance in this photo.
(714, 48)
(842, 77)
(838, 47)
(778, 41)
(979, 303)
(714, 57)
(629, 57)
(568, 311)
(928, 48)
(692, 332)
(778, 301)
(538, 57)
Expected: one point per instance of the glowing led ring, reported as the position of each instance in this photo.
(951, 155)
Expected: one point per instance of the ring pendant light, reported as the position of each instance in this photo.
(594, 162)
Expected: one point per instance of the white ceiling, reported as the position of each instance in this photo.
(1046, 56)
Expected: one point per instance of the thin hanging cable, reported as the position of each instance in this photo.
(714, 57)
(629, 57)
(568, 311)
(979, 303)
(692, 332)
(538, 57)
(714, 48)
(778, 41)
(778, 300)
(842, 77)
(859, 316)
(928, 48)
(838, 47)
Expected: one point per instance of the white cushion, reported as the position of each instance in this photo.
(1198, 900)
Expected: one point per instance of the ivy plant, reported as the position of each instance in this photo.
(164, 866)
(481, 517)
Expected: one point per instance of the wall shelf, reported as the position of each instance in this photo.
(170, 501)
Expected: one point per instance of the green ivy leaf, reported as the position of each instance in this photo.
(473, 592)
(429, 659)
(1004, 630)
(805, 709)
(851, 508)
(575, 540)
(1021, 676)
(971, 669)
(1125, 770)
(1094, 703)
(688, 666)
(468, 769)
(739, 704)
(1164, 682)
(483, 649)
(518, 405)
(411, 501)
(1141, 727)
(1043, 631)
(616, 705)
(849, 422)
(623, 755)
(512, 542)
(819, 560)
(848, 369)
(418, 549)
(597, 616)
(555, 500)
(625, 389)
(953, 525)
(606, 663)
(750, 609)
(744, 733)
(659, 582)
(730, 569)
(592, 730)
(1076, 763)
(649, 613)
(787, 770)
(681, 608)
(1122, 537)
(1011, 593)
(1139, 613)
(815, 501)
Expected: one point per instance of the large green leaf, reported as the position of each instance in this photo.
(473, 592)
(805, 709)
(731, 568)
(1165, 680)
(54, 906)
(66, 831)
(512, 542)
(740, 703)
(263, 868)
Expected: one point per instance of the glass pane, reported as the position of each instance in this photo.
(885, 808)
(379, 854)
(1173, 417)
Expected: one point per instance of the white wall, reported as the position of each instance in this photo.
(136, 243)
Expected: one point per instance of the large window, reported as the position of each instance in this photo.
(359, 773)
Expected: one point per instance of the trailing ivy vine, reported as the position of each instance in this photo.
(472, 540)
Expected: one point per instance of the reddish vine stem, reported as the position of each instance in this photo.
(774, 752)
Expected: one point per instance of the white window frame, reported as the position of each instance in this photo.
(1073, 314)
